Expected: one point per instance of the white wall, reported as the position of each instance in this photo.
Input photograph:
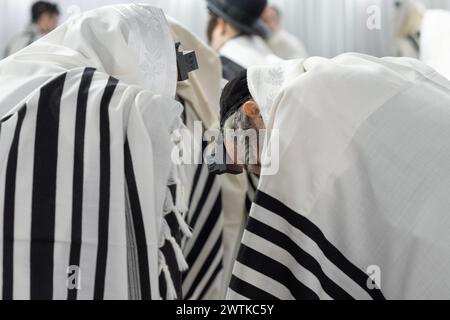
(328, 27)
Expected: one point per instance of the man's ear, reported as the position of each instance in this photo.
(251, 109)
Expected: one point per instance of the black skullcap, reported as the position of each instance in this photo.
(234, 95)
(242, 14)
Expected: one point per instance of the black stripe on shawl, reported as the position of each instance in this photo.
(174, 271)
(205, 267)
(78, 173)
(44, 190)
(303, 258)
(211, 280)
(201, 202)
(205, 232)
(276, 271)
(249, 291)
(104, 191)
(195, 183)
(162, 285)
(6, 118)
(8, 210)
(301, 223)
(138, 223)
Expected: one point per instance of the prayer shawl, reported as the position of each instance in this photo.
(87, 185)
(436, 40)
(359, 206)
(287, 46)
(248, 51)
(216, 204)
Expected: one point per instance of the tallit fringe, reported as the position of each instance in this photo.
(181, 204)
(176, 177)
(181, 260)
(167, 236)
(163, 268)
(170, 207)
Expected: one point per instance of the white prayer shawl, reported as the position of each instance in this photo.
(362, 186)
(248, 51)
(211, 249)
(287, 46)
(118, 40)
(436, 40)
(87, 160)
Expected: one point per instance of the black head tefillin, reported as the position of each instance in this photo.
(186, 61)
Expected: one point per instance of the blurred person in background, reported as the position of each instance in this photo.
(44, 19)
(282, 43)
(435, 41)
(409, 17)
(236, 32)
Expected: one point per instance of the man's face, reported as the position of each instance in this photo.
(244, 146)
(48, 22)
(271, 19)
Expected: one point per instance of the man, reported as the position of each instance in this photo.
(358, 208)
(409, 17)
(236, 33)
(282, 43)
(44, 19)
(90, 200)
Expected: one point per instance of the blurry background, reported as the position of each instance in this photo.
(327, 27)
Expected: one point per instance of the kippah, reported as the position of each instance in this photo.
(234, 95)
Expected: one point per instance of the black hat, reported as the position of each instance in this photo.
(243, 14)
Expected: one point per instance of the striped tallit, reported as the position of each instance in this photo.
(77, 188)
(204, 250)
(359, 206)
(88, 182)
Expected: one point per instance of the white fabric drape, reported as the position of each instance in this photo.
(436, 40)
(361, 183)
(137, 49)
